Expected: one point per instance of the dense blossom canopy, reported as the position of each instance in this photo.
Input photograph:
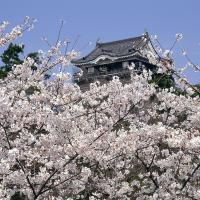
(113, 141)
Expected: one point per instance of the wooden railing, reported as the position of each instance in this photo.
(107, 75)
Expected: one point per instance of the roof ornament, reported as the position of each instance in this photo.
(98, 41)
(146, 34)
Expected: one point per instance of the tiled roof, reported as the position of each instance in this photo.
(115, 49)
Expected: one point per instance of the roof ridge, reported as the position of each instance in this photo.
(118, 41)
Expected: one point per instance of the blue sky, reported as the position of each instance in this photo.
(110, 20)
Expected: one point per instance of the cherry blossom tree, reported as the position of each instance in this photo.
(113, 141)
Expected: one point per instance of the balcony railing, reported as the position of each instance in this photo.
(106, 75)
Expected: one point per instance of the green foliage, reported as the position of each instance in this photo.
(12, 56)
(163, 80)
(180, 91)
(197, 86)
(36, 58)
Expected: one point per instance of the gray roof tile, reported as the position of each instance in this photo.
(114, 49)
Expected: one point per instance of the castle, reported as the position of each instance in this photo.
(113, 58)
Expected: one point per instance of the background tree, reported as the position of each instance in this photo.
(12, 56)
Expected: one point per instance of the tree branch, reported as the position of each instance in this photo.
(189, 178)
(52, 174)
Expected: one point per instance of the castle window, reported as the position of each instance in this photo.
(90, 70)
(102, 70)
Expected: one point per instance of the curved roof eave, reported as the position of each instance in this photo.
(92, 62)
(117, 49)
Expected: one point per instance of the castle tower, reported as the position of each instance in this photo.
(113, 58)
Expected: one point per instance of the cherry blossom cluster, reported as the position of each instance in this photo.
(6, 37)
(163, 59)
(114, 141)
